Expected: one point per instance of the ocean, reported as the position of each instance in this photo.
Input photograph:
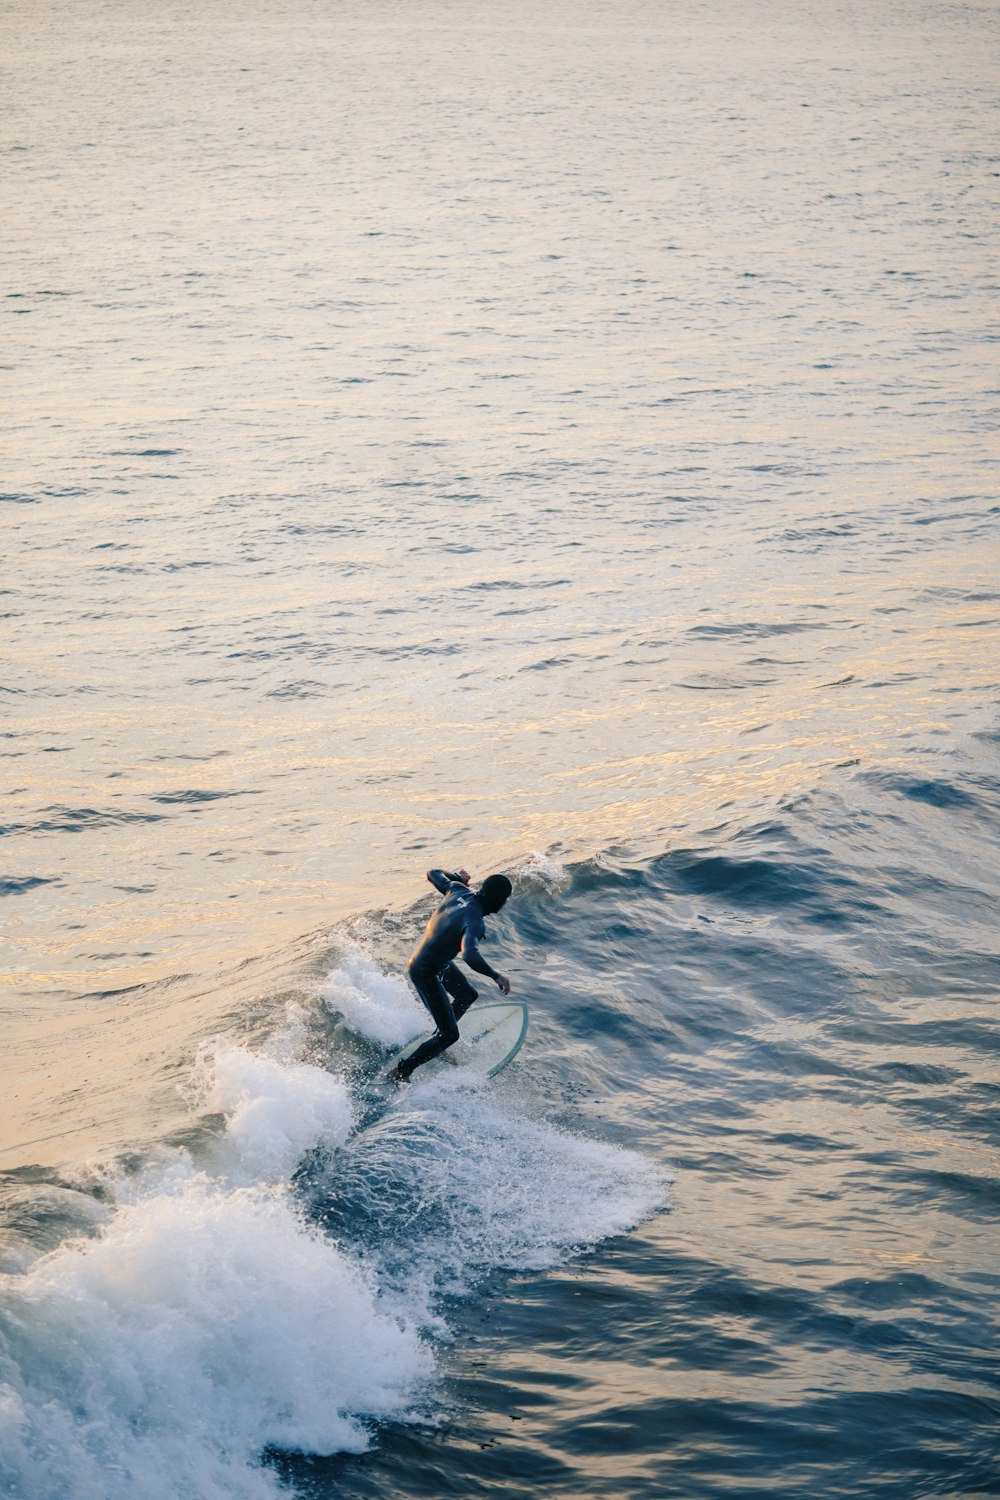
(558, 440)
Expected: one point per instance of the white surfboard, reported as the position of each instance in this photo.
(491, 1037)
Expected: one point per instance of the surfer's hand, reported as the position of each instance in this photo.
(503, 984)
(464, 876)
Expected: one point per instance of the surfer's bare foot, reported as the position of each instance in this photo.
(396, 1077)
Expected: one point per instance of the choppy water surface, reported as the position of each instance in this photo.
(554, 440)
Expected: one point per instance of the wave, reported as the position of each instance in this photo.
(204, 1324)
(282, 1281)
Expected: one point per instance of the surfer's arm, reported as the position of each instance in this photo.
(442, 879)
(475, 960)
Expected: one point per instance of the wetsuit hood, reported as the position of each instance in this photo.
(493, 893)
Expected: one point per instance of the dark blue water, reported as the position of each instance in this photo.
(798, 1019)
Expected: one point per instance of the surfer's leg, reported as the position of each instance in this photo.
(461, 991)
(432, 993)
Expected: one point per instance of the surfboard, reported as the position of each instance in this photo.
(491, 1037)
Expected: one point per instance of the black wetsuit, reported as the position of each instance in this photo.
(456, 925)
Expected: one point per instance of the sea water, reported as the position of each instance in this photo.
(552, 439)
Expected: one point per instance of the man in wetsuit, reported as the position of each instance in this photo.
(457, 924)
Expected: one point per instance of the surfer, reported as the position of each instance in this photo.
(456, 925)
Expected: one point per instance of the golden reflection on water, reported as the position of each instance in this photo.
(527, 782)
(184, 924)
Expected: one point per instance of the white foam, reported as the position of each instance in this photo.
(204, 1324)
(545, 869)
(376, 1005)
(207, 1318)
(451, 1184)
(275, 1111)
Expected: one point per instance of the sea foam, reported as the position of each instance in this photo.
(377, 1005)
(543, 869)
(454, 1183)
(207, 1320)
(218, 1312)
(205, 1324)
(275, 1111)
